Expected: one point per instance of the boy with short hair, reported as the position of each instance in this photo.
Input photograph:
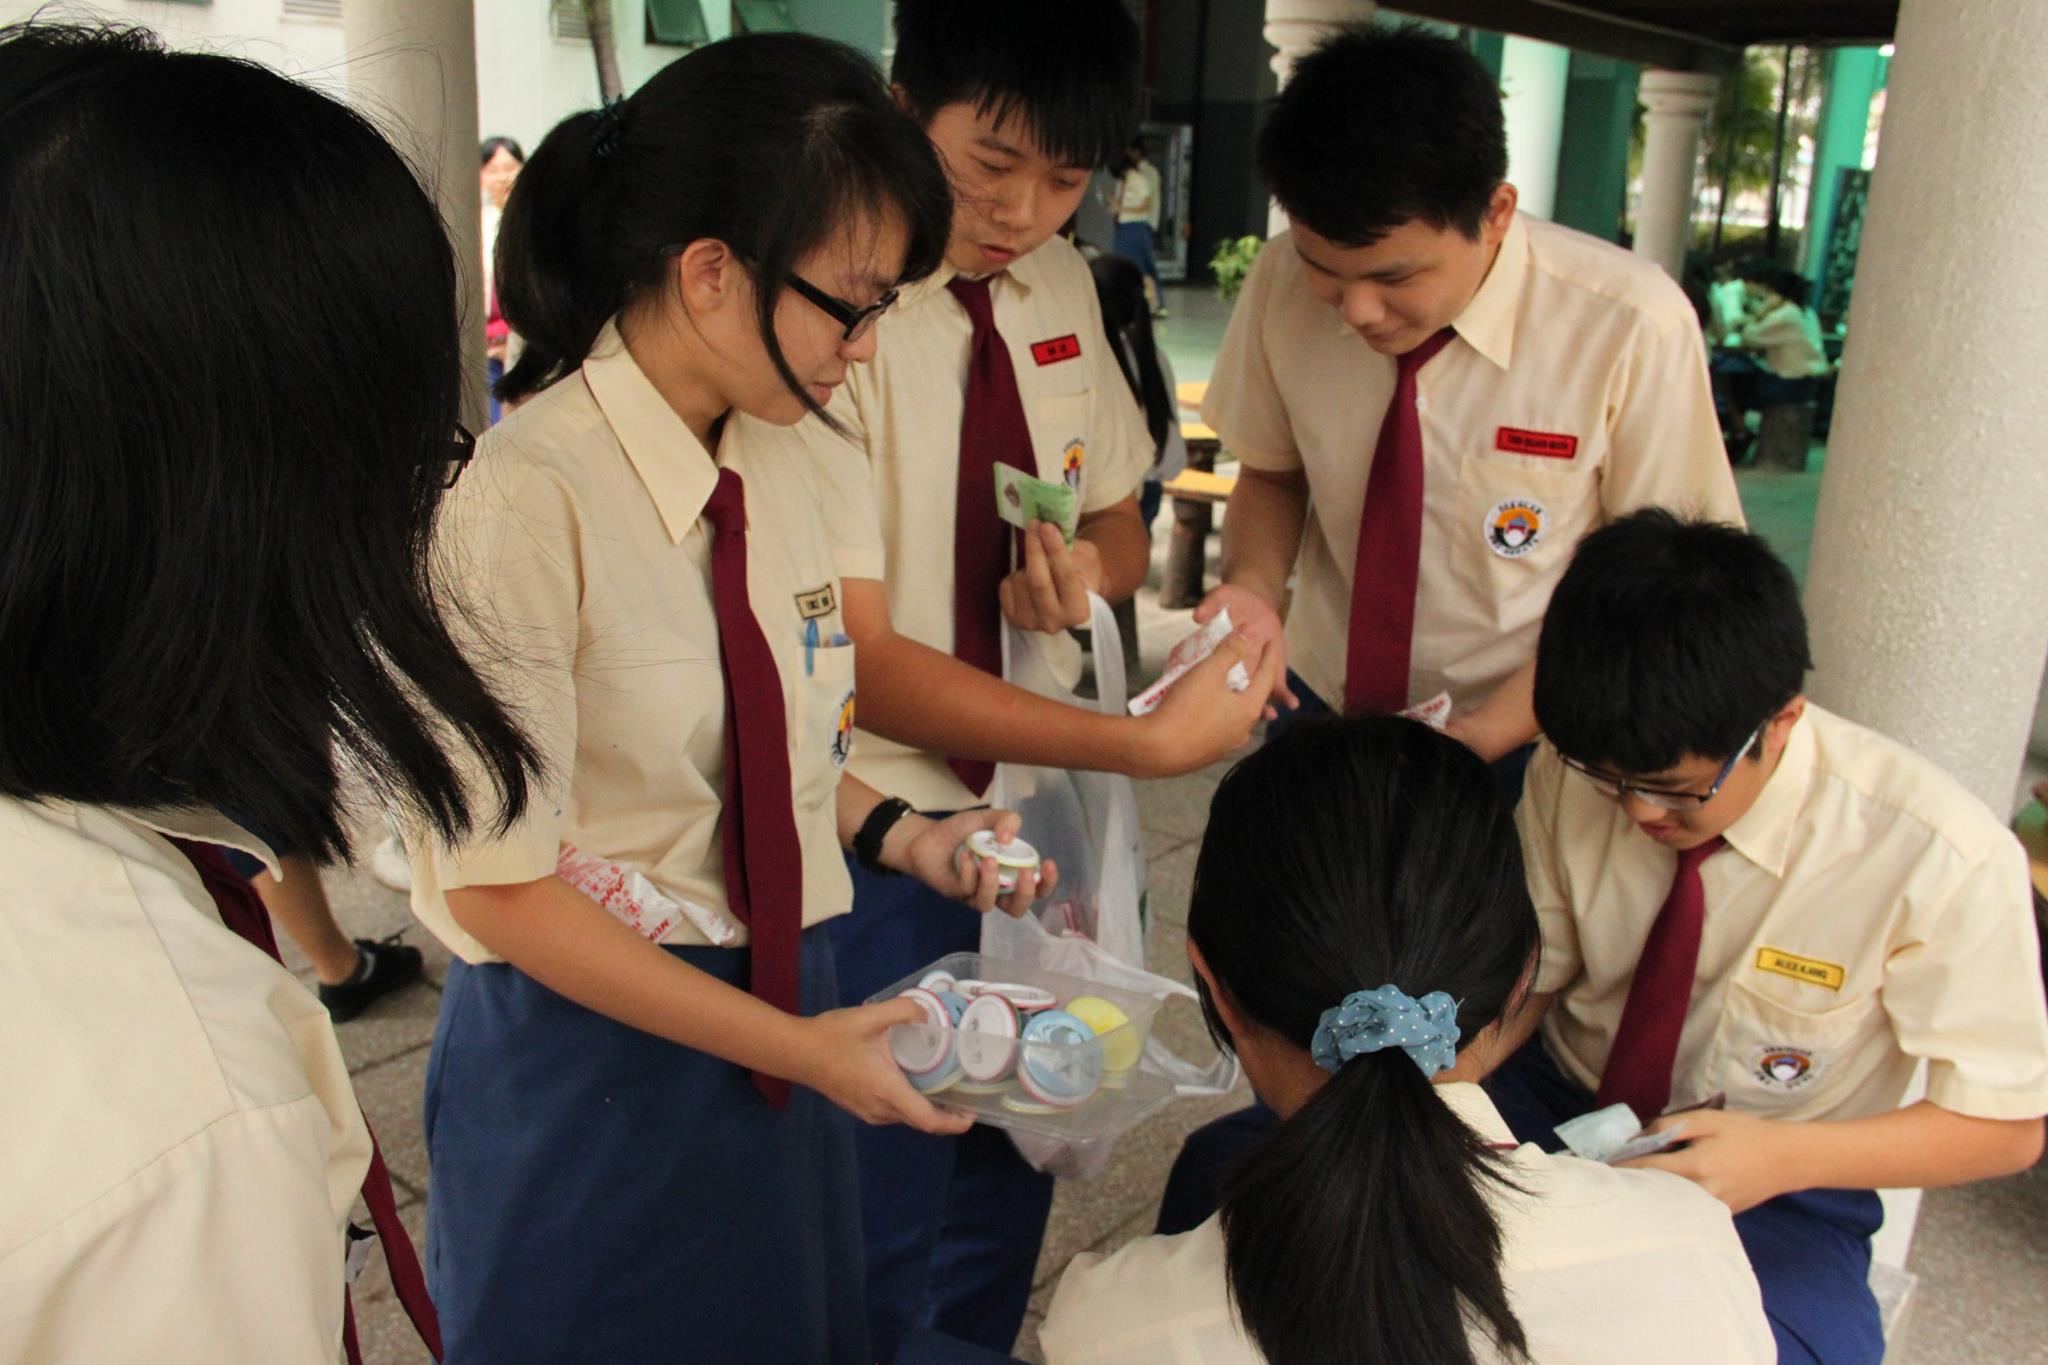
(1745, 895)
(999, 358)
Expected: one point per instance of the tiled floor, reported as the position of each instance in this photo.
(1981, 1253)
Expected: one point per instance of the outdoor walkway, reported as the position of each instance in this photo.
(1981, 1252)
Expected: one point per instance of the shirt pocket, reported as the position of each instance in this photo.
(1769, 1056)
(824, 724)
(1060, 435)
(1517, 520)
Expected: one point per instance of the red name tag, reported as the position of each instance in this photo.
(1551, 445)
(1052, 352)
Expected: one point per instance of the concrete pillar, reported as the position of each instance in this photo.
(1849, 80)
(1533, 78)
(1295, 26)
(1927, 576)
(1678, 104)
(411, 68)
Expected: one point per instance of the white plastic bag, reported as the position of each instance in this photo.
(1093, 925)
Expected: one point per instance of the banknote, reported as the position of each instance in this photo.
(1022, 500)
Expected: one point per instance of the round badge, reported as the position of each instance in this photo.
(1063, 1060)
(938, 981)
(932, 1082)
(1120, 1043)
(1010, 858)
(955, 1003)
(1784, 1068)
(1029, 1000)
(1017, 1104)
(842, 730)
(925, 1047)
(986, 1040)
(1514, 527)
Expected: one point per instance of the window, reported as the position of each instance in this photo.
(328, 11)
(569, 20)
(676, 23)
(764, 16)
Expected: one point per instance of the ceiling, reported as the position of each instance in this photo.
(1700, 35)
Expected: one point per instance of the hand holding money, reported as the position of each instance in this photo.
(1049, 593)
(1022, 501)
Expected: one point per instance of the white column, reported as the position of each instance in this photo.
(411, 68)
(1678, 104)
(1533, 80)
(1927, 577)
(1295, 26)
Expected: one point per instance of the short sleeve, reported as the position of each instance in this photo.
(1536, 823)
(1120, 447)
(1964, 992)
(1779, 327)
(512, 541)
(1664, 446)
(1244, 404)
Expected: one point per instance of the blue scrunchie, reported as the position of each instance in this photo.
(1426, 1029)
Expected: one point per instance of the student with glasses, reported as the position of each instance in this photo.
(640, 1102)
(1744, 895)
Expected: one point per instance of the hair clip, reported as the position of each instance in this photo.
(608, 133)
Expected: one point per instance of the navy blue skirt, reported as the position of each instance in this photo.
(599, 1194)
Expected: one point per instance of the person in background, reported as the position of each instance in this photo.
(1120, 288)
(215, 596)
(1359, 928)
(1745, 895)
(502, 161)
(1775, 355)
(351, 974)
(1137, 217)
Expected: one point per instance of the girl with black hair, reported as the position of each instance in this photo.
(1359, 927)
(500, 160)
(214, 597)
(610, 1183)
(1120, 287)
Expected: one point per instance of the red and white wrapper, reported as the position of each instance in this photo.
(636, 903)
(1184, 656)
(1433, 713)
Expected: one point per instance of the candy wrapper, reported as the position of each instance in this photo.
(1185, 656)
(635, 902)
(1433, 713)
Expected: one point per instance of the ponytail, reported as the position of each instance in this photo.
(1359, 1231)
(557, 283)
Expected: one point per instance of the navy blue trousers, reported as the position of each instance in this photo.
(1507, 770)
(600, 1194)
(950, 1225)
(1810, 1250)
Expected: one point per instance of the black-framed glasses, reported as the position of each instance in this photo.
(1656, 796)
(857, 322)
(461, 450)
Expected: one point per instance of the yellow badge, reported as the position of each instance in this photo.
(815, 603)
(1070, 463)
(1810, 970)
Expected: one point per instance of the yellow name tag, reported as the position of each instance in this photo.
(1805, 969)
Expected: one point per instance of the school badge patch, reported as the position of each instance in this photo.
(1514, 527)
(1784, 1068)
(1070, 464)
(842, 731)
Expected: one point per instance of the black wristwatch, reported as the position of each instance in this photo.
(867, 845)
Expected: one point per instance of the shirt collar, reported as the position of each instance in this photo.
(935, 283)
(672, 463)
(1488, 322)
(1764, 833)
(201, 825)
(1476, 1111)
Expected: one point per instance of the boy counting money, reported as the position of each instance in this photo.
(998, 359)
(1745, 895)
(1434, 396)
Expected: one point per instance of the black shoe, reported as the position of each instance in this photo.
(386, 965)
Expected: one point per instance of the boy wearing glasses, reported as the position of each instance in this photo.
(1743, 895)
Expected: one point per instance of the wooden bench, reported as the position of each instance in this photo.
(1195, 491)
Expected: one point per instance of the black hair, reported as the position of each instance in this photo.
(230, 375)
(1345, 855)
(1126, 314)
(1382, 126)
(1786, 282)
(767, 142)
(1067, 68)
(493, 145)
(1666, 638)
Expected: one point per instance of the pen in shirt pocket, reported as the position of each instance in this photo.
(812, 645)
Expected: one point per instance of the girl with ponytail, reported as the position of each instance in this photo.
(638, 1103)
(1358, 928)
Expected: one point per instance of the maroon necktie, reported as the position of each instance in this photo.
(1383, 576)
(763, 860)
(992, 431)
(242, 911)
(1638, 1071)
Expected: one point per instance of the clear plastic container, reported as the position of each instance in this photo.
(1049, 1077)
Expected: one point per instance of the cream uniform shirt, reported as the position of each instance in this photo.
(1602, 1267)
(181, 1143)
(1575, 391)
(575, 541)
(1867, 914)
(890, 481)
